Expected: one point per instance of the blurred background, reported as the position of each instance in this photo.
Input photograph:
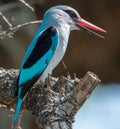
(84, 53)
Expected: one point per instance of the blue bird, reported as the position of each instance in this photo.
(48, 47)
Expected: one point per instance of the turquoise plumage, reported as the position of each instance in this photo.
(37, 58)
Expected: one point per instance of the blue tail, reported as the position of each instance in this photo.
(19, 104)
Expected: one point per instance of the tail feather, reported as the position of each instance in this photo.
(19, 104)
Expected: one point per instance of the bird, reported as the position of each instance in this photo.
(48, 47)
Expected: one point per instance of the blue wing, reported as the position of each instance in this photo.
(36, 59)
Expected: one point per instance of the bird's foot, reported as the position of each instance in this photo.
(47, 83)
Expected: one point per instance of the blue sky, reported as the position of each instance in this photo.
(101, 110)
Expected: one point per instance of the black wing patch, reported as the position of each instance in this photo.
(27, 85)
(43, 44)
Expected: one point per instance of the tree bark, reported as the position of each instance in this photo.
(54, 104)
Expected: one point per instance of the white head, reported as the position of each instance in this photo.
(67, 15)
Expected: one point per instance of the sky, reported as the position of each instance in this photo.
(101, 110)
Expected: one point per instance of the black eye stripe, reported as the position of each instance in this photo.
(71, 13)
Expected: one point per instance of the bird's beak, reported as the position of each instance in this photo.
(88, 27)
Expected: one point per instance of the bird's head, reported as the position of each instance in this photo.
(72, 17)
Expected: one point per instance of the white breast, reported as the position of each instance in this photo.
(59, 52)
(55, 19)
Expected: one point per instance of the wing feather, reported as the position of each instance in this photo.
(38, 59)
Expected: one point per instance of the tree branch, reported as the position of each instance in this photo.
(5, 19)
(27, 5)
(12, 30)
(53, 105)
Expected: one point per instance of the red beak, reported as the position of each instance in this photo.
(86, 26)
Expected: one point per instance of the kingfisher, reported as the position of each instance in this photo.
(48, 47)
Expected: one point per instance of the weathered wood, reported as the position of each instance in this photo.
(53, 105)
